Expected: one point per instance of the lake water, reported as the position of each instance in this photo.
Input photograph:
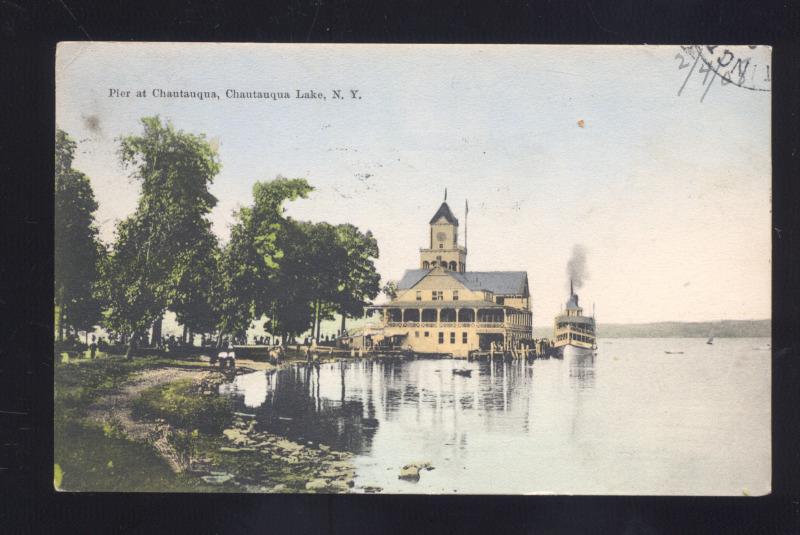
(629, 420)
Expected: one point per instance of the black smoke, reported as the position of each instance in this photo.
(576, 267)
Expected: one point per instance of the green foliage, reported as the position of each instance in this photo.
(165, 255)
(193, 281)
(77, 384)
(325, 269)
(358, 281)
(88, 460)
(249, 264)
(390, 289)
(181, 404)
(78, 252)
(165, 249)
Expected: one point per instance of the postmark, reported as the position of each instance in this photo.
(742, 66)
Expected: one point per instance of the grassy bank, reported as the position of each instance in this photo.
(93, 457)
(157, 424)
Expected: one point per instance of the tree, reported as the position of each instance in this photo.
(307, 278)
(325, 269)
(358, 282)
(151, 265)
(390, 289)
(251, 261)
(193, 283)
(78, 251)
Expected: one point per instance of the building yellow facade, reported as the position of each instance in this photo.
(441, 308)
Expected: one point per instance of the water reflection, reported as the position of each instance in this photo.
(549, 426)
(343, 403)
(582, 370)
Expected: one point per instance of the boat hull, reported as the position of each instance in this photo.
(570, 350)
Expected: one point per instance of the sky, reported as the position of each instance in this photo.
(553, 146)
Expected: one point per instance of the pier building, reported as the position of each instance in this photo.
(443, 308)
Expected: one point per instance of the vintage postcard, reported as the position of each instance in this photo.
(431, 269)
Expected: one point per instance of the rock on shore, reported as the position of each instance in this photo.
(410, 472)
(322, 469)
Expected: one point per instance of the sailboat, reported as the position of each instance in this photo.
(710, 340)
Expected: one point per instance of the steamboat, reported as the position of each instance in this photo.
(572, 331)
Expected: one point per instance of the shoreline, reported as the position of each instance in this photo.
(236, 458)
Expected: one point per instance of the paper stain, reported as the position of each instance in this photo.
(92, 123)
(581, 123)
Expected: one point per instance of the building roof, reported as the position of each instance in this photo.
(444, 211)
(497, 282)
(411, 277)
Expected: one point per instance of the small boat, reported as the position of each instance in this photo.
(674, 352)
(463, 372)
(710, 340)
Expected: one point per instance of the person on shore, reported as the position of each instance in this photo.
(93, 348)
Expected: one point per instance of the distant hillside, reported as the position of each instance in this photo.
(677, 329)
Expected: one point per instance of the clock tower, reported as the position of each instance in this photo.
(444, 250)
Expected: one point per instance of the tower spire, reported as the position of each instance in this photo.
(571, 291)
(445, 194)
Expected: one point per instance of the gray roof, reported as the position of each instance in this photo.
(497, 282)
(411, 277)
(444, 211)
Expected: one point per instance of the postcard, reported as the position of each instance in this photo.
(428, 269)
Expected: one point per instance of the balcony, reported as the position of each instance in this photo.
(450, 324)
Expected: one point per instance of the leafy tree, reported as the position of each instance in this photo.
(390, 289)
(193, 283)
(151, 265)
(325, 269)
(250, 263)
(78, 252)
(307, 277)
(358, 282)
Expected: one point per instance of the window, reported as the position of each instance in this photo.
(441, 246)
(427, 334)
(419, 295)
(441, 337)
(416, 334)
(455, 295)
(437, 295)
(464, 337)
(452, 338)
(501, 300)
